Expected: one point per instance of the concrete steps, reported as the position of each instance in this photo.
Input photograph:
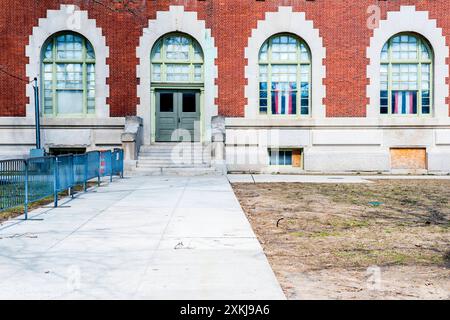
(185, 159)
(177, 171)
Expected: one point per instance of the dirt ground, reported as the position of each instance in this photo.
(389, 239)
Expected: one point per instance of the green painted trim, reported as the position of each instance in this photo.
(54, 61)
(299, 63)
(163, 61)
(163, 84)
(419, 62)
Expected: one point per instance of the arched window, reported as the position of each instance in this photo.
(406, 76)
(68, 75)
(284, 76)
(177, 58)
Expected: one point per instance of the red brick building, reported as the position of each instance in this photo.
(291, 85)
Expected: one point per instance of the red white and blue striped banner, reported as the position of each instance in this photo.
(404, 102)
(282, 100)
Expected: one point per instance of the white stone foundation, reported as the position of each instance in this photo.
(332, 148)
(17, 135)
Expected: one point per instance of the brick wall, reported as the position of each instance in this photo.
(342, 26)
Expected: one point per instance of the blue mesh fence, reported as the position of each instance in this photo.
(93, 165)
(105, 163)
(117, 162)
(79, 168)
(41, 178)
(26, 181)
(12, 183)
(65, 173)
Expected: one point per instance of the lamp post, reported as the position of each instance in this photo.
(36, 114)
(38, 151)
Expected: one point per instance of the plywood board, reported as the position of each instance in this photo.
(408, 158)
(297, 158)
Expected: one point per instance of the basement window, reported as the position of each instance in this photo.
(285, 157)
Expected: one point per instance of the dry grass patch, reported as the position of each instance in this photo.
(346, 228)
(18, 211)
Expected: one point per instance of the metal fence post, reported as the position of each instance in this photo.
(121, 163)
(85, 172)
(111, 166)
(55, 182)
(25, 209)
(72, 176)
(99, 168)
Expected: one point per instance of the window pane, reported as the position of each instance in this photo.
(189, 102)
(198, 73)
(198, 55)
(280, 157)
(305, 70)
(90, 87)
(90, 54)
(304, 53)
(70, 101)
(284, 48)
(404, 48)
(49, 51)
(69, 76)
(405, 76)
(425, 52)
(177, 48)
(178, 72)
(384, 77)
(166, 102)
(384, 52)
(305, 98)
(156, 72)
(273, 154)
(426, 102)
(263, 53)
(288, 158)
(69, 47)
(156, 55)
(384, 101)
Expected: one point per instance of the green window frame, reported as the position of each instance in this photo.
(177, 58)
(406, 76)
(284, 82)
(68, 74)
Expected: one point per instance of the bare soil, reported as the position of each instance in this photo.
(389, 239)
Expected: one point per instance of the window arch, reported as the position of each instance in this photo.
(177, 58)
(406, 76)
(284, 76)
(68, 75)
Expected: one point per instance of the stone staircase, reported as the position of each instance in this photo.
(175, 159)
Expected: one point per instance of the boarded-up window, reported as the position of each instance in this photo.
(296, 158)
(408, 158)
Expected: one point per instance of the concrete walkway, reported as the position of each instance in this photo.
(138, 238)
(307, 178)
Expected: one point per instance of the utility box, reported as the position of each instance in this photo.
(36, 153)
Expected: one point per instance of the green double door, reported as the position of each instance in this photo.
(177, 115)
